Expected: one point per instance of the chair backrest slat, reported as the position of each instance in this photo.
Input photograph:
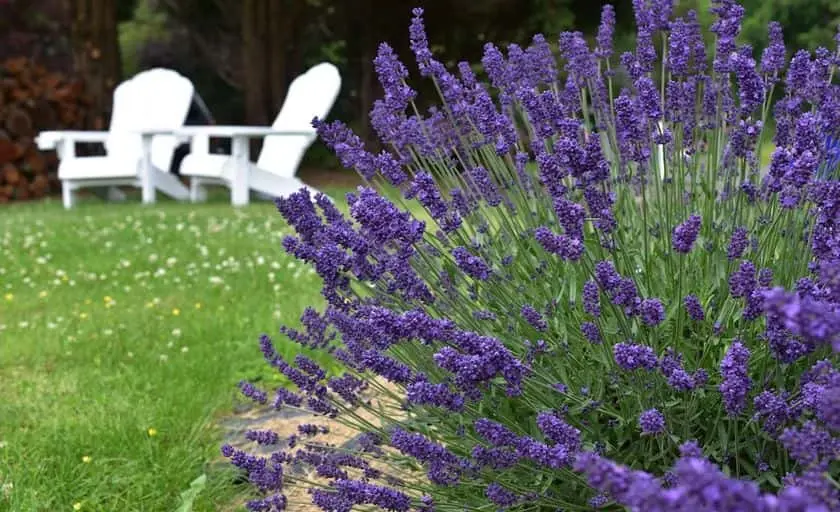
(155, 99)
(310, 95)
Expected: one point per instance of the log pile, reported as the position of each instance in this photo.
(32, 100)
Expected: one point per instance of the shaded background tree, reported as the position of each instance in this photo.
(96, 54)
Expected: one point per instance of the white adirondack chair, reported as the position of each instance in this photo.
(310, 95)
(139, 144)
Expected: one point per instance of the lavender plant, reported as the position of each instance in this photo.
(605, 302)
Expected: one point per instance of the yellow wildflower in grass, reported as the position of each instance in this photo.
(87, 301)
(107, 298)
(83, 315)
(77, 506)
(176, 311)
(10, 296)
(152, 432)
(197, 305)
(42, 294)
(86, 459)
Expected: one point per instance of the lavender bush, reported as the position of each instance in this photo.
(606, 303)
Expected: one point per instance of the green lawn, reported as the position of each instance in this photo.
(123, 332)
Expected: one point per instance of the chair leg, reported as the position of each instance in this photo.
(67, 194)
(148, 189)
(197, 192)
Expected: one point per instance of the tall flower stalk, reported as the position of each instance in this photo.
(575, 287)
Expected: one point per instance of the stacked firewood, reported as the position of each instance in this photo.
(32, 100)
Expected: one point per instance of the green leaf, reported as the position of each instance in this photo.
(189, 496)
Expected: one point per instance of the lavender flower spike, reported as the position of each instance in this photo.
(735, 383)
(685, 234)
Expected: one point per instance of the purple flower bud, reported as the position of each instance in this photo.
(591, 298)
(564, 246)
(265, 437)
(252, 392)
(606, 31)
(652, 312)
(631, 356)
(652, 422)
(685, 234)
(473, 266)
(773, 56)
(501, 496)
(694, 308)
(735, 385)
(533, 317)
(591, 332)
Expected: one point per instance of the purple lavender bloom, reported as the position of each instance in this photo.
(735, 385)
(283, 396)
(501, 496)
(309, 429)
(727, 26)
(773, 410)
(648, 98)
(810, 444)
(827, 406)
(652, 422)
(738, 243)
(742, 282)
(679, 379)
(773, 56)
(694, 308)
(533, 317)
(264, 437)
(606, 32)
(814, 320)
(347, 387)
(420, 44)
(566, 247)
(700, 487)
(685, 234)
(425, 189)
(559, 432)
(592, 298)
(358, 492)
(252, 392)
(483, 182)
(579, 61)
(652, 312)
(473, 266)
(273, 503)
(423, 392)
(607, 276)
(679, 48)
(591, 332)
(750, 85)
(632, 356)
(444, 468)
(266, 477)
(645, 26)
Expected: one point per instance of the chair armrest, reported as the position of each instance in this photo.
(52, 139)
(237, 131)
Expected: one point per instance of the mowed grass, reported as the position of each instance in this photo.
(123, 332)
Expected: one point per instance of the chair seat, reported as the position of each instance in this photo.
(208, 166)
(98, 167)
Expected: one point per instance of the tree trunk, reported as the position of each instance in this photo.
(268, 41)
(96, 54)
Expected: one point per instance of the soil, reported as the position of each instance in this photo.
(330, 178)
(284, 422)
